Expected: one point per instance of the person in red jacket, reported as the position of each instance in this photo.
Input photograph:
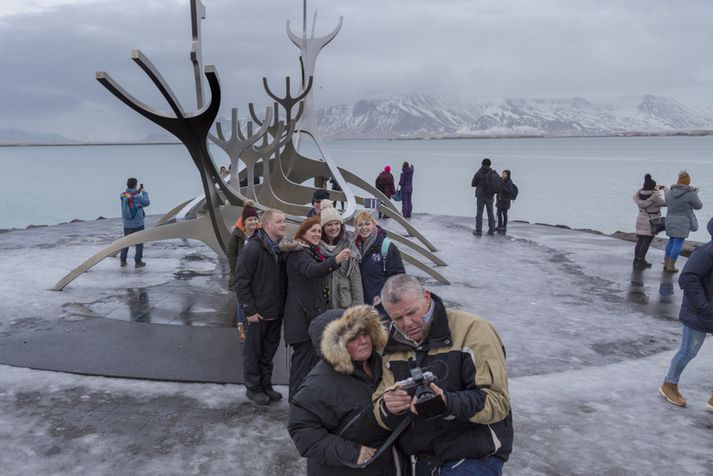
(385, 183)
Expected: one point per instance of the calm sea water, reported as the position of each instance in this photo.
(580, 182)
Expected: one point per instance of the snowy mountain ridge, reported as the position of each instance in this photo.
(421, 115)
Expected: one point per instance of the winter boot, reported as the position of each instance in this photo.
(665, 264)
(272, 394)
(669, 391)
(709, 405)
(256, 395)
(672, 266)
(645, 263)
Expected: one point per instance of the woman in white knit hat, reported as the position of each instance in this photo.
(344, 285)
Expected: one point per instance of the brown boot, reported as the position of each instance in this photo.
(709, 405)
(665, 264)
(241, 330)
(669, 391)
(672, 266)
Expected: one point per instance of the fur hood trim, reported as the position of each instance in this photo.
(340, 331)
(290, 246)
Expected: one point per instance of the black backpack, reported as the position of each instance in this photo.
(514, 193)
(493, 183)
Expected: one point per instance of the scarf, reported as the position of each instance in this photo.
(315, 252)
(364, 246)
(273, 246)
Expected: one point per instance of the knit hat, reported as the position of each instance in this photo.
(486, 162)
(329, 213)
(387, 168)
(683, 178)
(319, 195)
(249, 210)
(649, 183)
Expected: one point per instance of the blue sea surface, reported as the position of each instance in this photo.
(579, 182)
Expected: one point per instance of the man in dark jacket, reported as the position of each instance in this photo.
(317, 197)
(473, 434)
(696, 315)
(487, 184)
(260, 285)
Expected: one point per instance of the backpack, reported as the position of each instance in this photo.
(493, 183)
(514, 193)
(128, 207)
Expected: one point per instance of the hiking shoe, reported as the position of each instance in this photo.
(123, 263)
(709, 405)
(669, 391)
(139, 264)
(258, 397)
(272, 394)
(491, 232)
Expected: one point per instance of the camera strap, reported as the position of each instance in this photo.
(387, 444)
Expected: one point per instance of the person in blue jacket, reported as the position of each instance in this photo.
(133, 202)
(696, 315)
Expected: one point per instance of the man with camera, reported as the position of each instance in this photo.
(445, 369)
(133, 202)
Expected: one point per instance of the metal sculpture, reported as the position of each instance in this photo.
(269, 156)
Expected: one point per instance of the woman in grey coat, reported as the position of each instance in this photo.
(344, 285)
(681, 200)
(649, 200)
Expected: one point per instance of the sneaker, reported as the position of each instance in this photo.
(272, 394)
(123, 263)
(669, 391)
(257, 396)
(709, 405)
(139, 264)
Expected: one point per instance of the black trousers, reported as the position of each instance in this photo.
(502, 218)
(261, 342)
(304, 357)
(642, 246)
(488, 204)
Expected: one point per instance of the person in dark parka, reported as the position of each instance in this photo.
(306, 267)
(502, 205)
(406, 186)
(696, 315)
(330, 420)
(484, 196)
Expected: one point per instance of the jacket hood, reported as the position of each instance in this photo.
(318, 324)
(710, 227)
(290, 246)
(679, 190)
(645, 202)
(339, 332)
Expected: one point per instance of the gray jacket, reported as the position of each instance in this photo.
(344, 285)
(680, 219)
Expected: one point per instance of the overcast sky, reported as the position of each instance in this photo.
(598, 49)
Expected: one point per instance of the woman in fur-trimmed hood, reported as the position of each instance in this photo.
(331, 421)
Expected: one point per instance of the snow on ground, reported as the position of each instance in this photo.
(588, 343)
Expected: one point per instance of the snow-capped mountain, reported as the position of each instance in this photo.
(418, 115)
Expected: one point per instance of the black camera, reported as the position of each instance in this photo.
(428, 404)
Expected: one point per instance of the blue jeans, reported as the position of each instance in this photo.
(673, 247)
(488, 466)
(139, 248)
(691, 342)
(241, 315)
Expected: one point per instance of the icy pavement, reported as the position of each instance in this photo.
(588, 343)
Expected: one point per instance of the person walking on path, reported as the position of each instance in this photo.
(244, 228)
(696, 315)
(508, 192)
(330, 420)
(260, 286)
(650, 201)
(487, 184)
(385, 183)
(133, 202)
(344, 286)
(306, 268)
(681, 200)
(379, 258)
(406, 186)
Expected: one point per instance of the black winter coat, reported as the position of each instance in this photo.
(696, 281)
(260, 279)
(306, 297)
(373, 275)
(505, 195)
(479, 181)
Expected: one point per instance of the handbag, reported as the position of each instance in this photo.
(658, 224)
(397, 195)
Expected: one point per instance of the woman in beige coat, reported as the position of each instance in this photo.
(650, 201)
(344, 285)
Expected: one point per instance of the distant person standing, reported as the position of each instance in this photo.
(681, 200)
(696, 316)
(650, 201)
(487, 184)
(133, 202)
(260, 284)
(385, 183)
(406, 185)
(317, 197)
(508, 192)
(335, 187)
